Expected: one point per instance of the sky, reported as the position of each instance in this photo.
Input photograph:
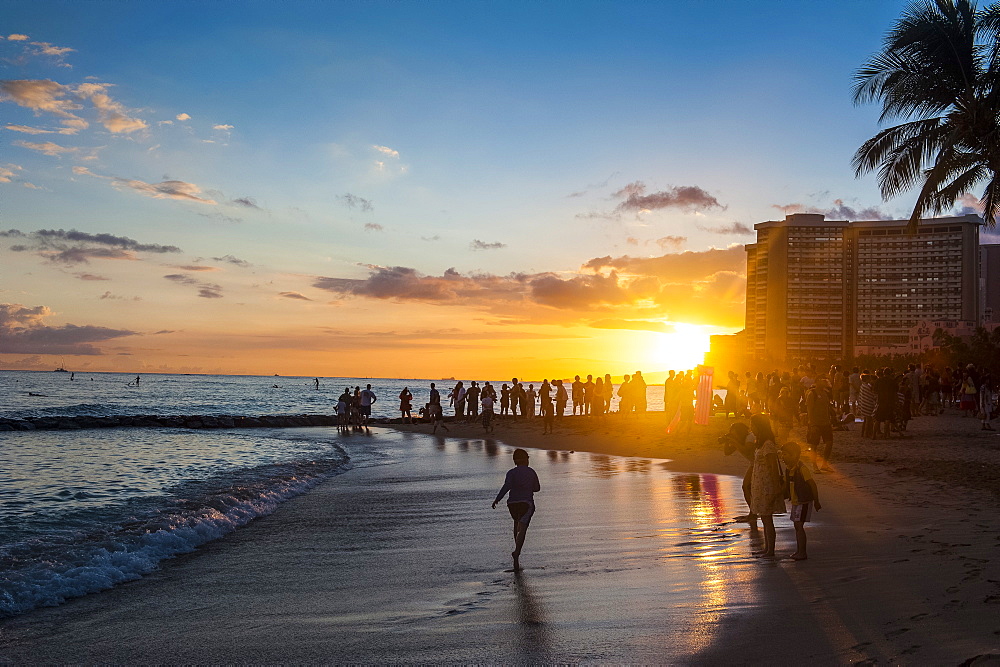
(411, 189)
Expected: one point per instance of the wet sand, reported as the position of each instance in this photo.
(902, 566)
(627, 560)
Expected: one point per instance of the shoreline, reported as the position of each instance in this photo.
(938, 449)
(901, 567)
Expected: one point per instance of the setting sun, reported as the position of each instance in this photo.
(682, 349)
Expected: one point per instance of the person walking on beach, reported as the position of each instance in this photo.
(577, 394)
(802, 494)
(504, 400)
(435, 411)
(766, 489)
(522, 483)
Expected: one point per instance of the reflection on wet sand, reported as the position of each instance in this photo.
(533, 631)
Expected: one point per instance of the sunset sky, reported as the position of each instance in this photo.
(410, 189)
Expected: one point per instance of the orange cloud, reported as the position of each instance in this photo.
(23, 332)
(46, 148)
(165, 190)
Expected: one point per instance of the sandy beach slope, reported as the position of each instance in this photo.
(629, 559)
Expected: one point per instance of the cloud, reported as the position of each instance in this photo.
(839, 211)
(46, 148)
(734, 228)
(113, 115)
(114, 297)
(28, 130)
(182, 116)
(236, 261)
(248, 202)
(675, 266)
(385, 150)
(205, 290)
(46, 49)
(406, 284)
(165, 190)
(224, 128)
(90, 276)
(74, 247)
(476, 244)
(17, 38)
(700, 287)
(353, 201)
(23, 331)
(431, 239)
(685, 197)
(970, 204)
(197, 267)
(373, 227)
(41, 95)
(634, 325)
(672, 242)
(8, 172)
(294, 295)
(579, 292)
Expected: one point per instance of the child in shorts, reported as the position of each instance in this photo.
(800, 489)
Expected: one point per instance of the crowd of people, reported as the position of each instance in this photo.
(550, 401)
(884, 399)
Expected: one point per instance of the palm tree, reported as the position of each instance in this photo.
(939, 70)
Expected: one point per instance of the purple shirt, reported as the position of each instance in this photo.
(522, 482)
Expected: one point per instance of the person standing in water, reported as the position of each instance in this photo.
(522, 483)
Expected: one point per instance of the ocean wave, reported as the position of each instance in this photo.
(48, 571)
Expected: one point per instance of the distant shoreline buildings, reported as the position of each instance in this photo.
(826, 290)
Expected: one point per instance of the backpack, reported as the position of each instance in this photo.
(803, 492)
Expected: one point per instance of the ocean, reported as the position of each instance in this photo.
(84, 510)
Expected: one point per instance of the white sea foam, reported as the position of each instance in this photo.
(84, 567)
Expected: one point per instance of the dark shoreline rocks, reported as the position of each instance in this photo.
(68, 423)
(164, 421)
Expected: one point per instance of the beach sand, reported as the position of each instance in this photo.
(630, 558)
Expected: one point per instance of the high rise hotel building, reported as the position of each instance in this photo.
(821, 289)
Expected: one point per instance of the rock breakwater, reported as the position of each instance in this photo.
(164, 421)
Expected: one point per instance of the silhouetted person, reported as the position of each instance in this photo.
(738, 439)
(406, 405)
(767, 493)
(367, 399)
(522, 483)
(435, 411)
(800, 488)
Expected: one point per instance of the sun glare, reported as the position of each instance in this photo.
(683, 349)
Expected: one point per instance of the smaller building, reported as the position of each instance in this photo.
(922, 333)
(728, 352)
